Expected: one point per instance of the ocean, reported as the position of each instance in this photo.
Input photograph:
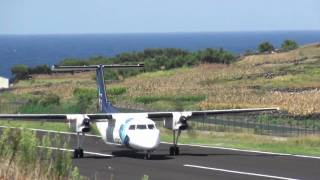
(50, 49)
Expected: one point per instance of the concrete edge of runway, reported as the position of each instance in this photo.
(192, 145)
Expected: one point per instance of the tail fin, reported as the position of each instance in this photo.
(104, 104)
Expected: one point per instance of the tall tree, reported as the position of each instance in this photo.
(20, 71)
(288, 45)
(265, 47)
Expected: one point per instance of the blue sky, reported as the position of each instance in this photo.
(133, 16)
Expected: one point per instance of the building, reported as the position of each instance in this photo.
(4, 83)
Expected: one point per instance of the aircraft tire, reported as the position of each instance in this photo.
(78, 153)
(177, 151)
(174, 151)
(75, 153)
(171, 151)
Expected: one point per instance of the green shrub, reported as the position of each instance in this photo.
(288, 45)
(50, 99)
(186, 98)
(20, 71)
(265, 47)
(40, 69)
(116, 91)
(84, 98)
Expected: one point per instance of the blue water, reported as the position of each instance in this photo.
(50, 49)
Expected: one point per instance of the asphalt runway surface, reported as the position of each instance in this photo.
(193, 163)
(103, 161)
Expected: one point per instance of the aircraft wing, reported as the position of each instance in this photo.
(172, 120)
(152, 115)
(54, 117)
(208, 112)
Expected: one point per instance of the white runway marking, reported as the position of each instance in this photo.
(192, 145)
(239, 172)
(71, 150)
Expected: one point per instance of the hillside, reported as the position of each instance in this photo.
(289, 80)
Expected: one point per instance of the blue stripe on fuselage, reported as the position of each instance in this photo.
(122, 131)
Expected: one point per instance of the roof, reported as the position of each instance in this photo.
(4, 78)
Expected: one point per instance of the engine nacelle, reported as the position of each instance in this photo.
(79, 123)
(178, 121)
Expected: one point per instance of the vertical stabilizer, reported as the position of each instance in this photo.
(104, 104)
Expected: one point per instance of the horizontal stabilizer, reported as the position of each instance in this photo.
(92, 67)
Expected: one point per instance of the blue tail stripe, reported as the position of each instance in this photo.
(104, 105)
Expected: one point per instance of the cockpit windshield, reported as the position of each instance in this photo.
(141, 126)
(132, 127)
(151, 126)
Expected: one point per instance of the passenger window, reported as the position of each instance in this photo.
(132, 127)
(150, 126)
(141, 126)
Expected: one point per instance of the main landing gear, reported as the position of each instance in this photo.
(174, 150)
(78, 152)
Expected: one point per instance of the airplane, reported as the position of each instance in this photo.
(136, 131)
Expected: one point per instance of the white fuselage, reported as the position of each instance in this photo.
(138, 133)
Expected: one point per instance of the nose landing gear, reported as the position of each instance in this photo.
(147, 155)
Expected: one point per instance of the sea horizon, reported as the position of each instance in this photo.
(169, 32)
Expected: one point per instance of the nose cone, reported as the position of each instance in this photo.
(145, 140)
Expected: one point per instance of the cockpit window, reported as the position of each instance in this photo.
(150, 126)
(141, 126)
(132, 127)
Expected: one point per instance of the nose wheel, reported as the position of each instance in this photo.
(147, 155)
(175, 150)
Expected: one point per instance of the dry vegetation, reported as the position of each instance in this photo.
(289, 80)
(61, 84)
(293, 86)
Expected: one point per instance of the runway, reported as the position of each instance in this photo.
(103, 161)
(193, 163)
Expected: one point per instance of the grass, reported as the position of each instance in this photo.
(21, 158)
(37, 125)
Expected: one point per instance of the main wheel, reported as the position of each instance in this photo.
(177, 151)
(78, 153)
(75, 153)
(172, 151)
